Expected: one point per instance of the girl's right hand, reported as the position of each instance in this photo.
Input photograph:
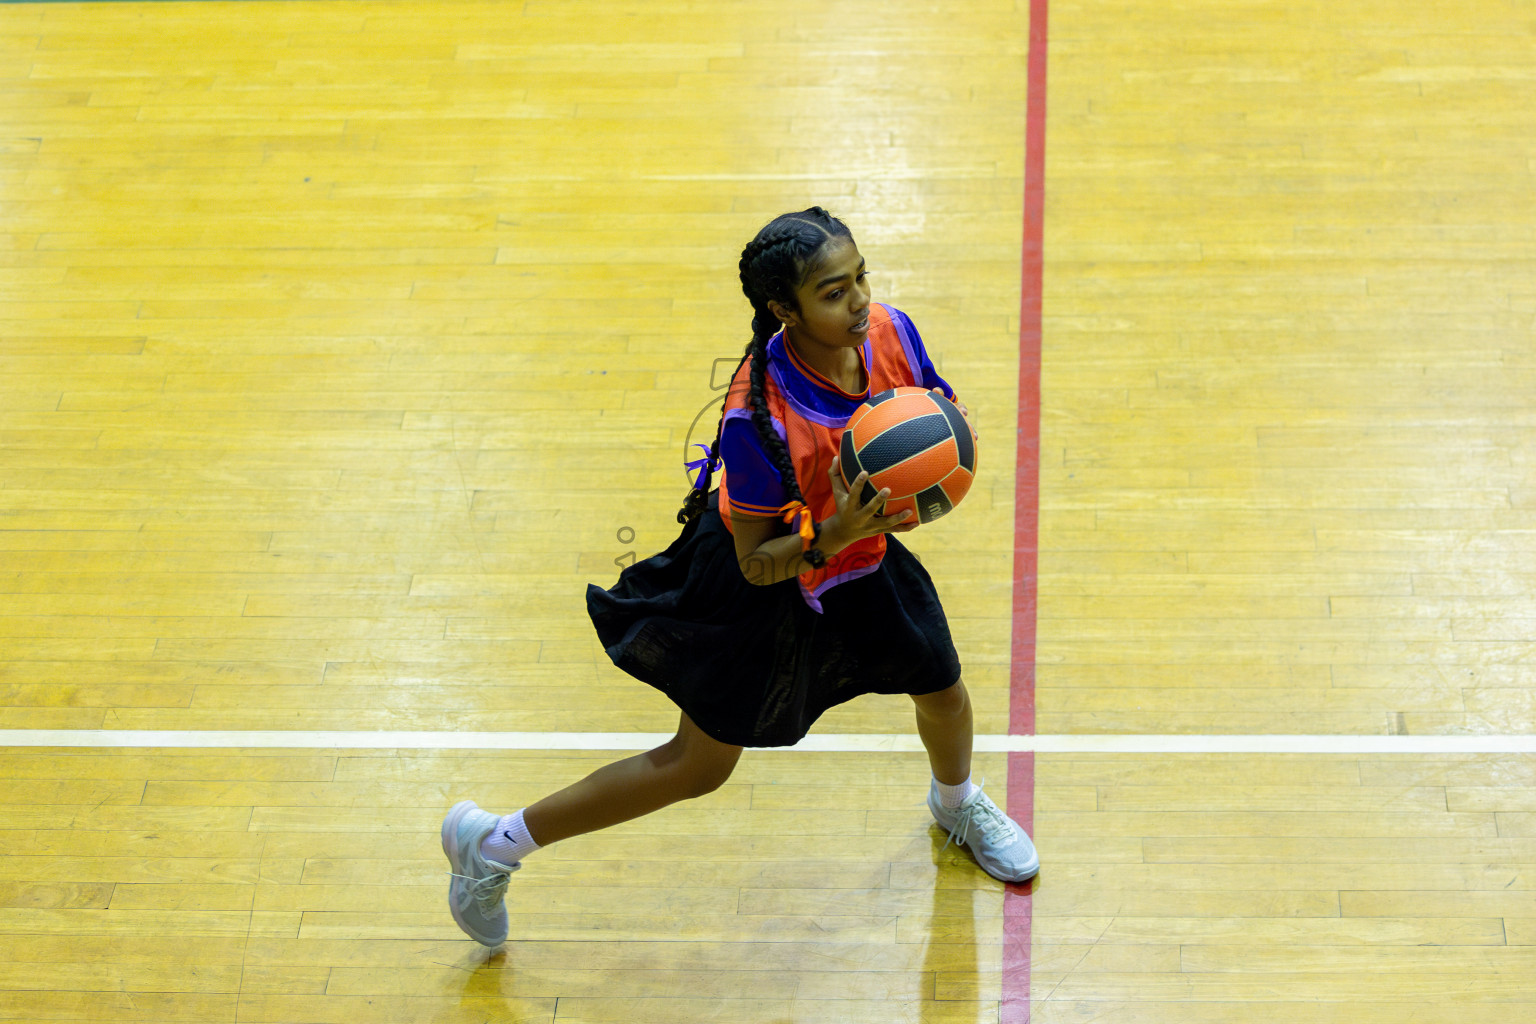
(854, 521)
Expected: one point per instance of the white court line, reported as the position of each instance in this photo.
(830, 742)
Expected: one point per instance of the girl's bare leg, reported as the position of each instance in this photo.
(944, 723)
(1001, 846)
(690, 764)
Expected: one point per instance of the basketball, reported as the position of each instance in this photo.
(915, 442)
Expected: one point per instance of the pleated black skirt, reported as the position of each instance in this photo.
(755, 666)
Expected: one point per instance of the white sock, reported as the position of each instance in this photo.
(954, 796)
(509, 842)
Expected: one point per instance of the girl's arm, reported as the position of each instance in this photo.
(766, 558)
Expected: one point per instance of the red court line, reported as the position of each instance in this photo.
(1018, 901)
(1026, 511)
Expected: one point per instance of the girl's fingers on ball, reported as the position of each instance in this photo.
(876, 501)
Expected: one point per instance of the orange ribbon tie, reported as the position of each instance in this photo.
(806, 530)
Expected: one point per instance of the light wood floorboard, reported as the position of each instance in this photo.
(342, 344)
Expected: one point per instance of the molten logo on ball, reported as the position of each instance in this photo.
(916, 443)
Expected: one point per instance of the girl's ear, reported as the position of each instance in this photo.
(785, 316)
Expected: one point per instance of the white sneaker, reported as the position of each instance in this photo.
(475, 894)
(1001, 847)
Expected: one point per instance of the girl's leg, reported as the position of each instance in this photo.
(690, 764)
(483, 850)
(1001, 847)
(944, 723)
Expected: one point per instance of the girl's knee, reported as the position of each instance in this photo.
(951, 701)
(702, 762)
(699, 763)
(705, 775)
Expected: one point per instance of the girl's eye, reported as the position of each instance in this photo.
(836, 293)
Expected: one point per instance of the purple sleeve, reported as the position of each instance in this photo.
(754, 484)
(927, 376)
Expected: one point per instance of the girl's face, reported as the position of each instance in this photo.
(833, 299)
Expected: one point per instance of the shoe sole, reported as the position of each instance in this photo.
(451, 848)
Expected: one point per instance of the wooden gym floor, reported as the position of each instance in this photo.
(343, 344)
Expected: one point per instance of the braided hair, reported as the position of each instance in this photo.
(773, 266)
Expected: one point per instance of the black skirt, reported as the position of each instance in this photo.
(755, 666)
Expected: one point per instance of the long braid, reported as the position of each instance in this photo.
(773, 266)
(778, 248)
(698, 497)
(757, 400)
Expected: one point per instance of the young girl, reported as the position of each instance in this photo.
(754, 627)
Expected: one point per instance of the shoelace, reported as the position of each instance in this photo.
(488, 891)
(983, 814)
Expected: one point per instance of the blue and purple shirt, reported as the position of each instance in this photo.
(808, 411)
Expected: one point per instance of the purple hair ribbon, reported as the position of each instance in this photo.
(701, 464)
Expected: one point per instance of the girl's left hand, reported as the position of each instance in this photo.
(963, 412)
